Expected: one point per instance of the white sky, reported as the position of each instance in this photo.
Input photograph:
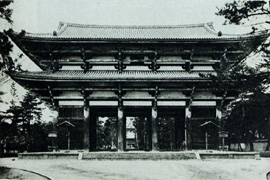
(44, 15)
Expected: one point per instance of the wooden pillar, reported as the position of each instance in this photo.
(187, 133)
(68, 135)
(54, 124)
(178, 132)
(154, 129)
(120, 129)
(218, 117)
(92, 129)
(86, 114)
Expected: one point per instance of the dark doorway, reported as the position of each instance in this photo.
(103, 129)
(201, 115)
(170, 126)
(70, 137)
(137, 128)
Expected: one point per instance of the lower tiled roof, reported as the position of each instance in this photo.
(76, 75)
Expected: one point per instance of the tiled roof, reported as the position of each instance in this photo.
(102, 32)
(76, 75)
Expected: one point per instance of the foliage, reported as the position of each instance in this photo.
(5, 45)
(166, 133)
(5, 11)
(22, 124)
(238, 11)
(248, 116)
(107, 134)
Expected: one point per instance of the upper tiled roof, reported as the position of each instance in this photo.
(102, 32)
(76, 75)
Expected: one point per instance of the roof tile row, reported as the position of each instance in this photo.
(110, 75)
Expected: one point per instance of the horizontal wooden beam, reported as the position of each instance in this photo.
(114, 89)
(134, 52)
(181, 62)
(136, 98)
(202, 118)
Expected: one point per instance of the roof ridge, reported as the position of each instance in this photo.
(40, 34)
(62, 24)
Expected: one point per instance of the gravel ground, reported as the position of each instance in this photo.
(153, 170)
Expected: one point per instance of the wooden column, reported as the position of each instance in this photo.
(218, 117)
(154, 120)
(120, 124)
(120, 129)
(154, 129)
(86, 114)
(187, 118)
(187, 136)
(54, 124)
(219, 112)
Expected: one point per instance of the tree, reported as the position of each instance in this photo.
(238, 12)
(5, 48)
(5, 11)
(246, 115)
(25, 124)
(5, 45)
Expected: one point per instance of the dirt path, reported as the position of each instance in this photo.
(150, 170)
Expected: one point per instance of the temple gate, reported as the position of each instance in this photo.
(127, 88)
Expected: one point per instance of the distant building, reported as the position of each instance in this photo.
(148, 73)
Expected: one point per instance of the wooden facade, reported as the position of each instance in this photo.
(151, 74)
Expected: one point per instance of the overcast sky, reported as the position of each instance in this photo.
(44, 15)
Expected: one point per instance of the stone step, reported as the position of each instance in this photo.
(138, 155)
(48, 155)
(229, 155)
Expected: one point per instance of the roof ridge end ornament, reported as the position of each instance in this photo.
(61, 24)
(61, 28)
(211, 25)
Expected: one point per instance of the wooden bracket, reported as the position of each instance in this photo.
(120, 66)
(85, 65)
(54, 63)
(188, 66)
(191, 55)
(223, 100)
(156, 97)
(224, 59)
(120, 94)
(191, 97)
(51, 95)
(85, 95)
(154, 63)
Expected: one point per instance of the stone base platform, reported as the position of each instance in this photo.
(229, 155)
(49, 155)
(139, 155)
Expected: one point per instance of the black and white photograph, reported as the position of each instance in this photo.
(135, 89)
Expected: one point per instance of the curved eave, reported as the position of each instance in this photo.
(225, 37)
(113, 80)
(52, 78)
(138, 40)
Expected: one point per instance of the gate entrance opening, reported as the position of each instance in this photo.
(170, 127)
(138, 128)
(103, 129)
